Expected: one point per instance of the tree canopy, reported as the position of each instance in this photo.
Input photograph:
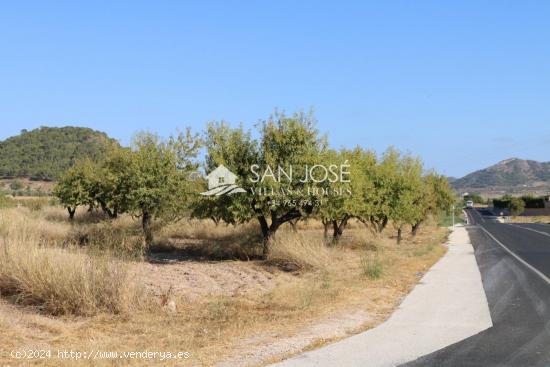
(285, 172)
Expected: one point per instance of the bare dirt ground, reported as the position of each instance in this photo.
(197, 279)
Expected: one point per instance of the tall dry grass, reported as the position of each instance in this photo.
(58, 280)
(299, 251)
(202, 238)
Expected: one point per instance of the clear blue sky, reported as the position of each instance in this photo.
(462, 84)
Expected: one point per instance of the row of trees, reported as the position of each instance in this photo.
(152, 179)
(155, 179)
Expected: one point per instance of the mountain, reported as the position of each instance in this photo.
(508, 174)
(44, 153)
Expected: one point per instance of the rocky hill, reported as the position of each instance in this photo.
(509, 174)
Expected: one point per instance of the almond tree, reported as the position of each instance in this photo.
(379, 201)
(284, 141)
(437, 196)
(161, 185)
(406, 191)
(72, 188)
(345, 197)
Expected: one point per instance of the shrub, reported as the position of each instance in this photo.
(371, 266)
(16, 185)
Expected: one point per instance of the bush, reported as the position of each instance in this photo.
(371, 266)
(517, 206)
(16, 185)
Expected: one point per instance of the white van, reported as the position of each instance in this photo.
(469, 204)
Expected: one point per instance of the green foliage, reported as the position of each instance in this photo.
(337, 210)
(151, 180)
(284, 141)
(160, 181)
(236, 150)
(72, 188)
(371, 267)
(407, 192)
(45, 153)
(5, 201)
(157, 180)
(476, 198)
(516, 206)
(502, 202)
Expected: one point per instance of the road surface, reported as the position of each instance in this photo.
(514, 261)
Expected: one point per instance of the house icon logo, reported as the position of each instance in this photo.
(221, 181)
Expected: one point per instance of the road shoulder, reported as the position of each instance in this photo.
(447, 306)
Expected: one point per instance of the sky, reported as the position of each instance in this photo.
(462, 84)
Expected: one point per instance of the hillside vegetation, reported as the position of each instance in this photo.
(46, 152)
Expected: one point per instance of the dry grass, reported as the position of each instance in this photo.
(297, 251)
(217, 242)
(213, 327)
(57, 280)
(121, 238)
(531, 219)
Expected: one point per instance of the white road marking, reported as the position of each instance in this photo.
(536, 271)
(530, 229)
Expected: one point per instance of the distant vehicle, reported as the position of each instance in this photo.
(469, 204)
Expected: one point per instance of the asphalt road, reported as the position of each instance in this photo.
(514, 261)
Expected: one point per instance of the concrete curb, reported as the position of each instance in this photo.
(447, 306)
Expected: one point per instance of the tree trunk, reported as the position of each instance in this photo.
(147, 230)
(338, 230)
(71, 213)
(266, 234)
(326, 225)
(110, 213)
(268, 230)
(379, 224)
(293, 224)
(383, 224)
(415, 228)
(399, 234)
